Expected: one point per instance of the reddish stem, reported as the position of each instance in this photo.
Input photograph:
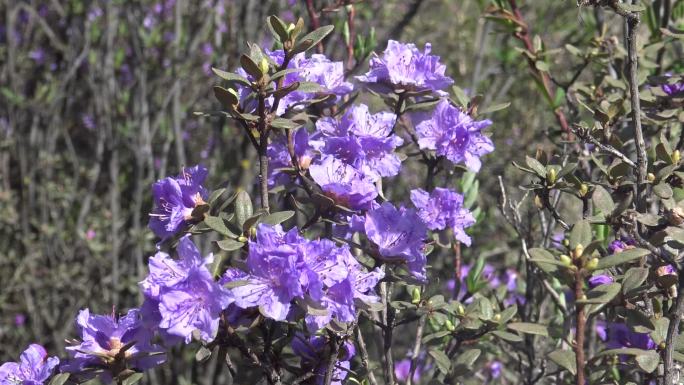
(315, 24)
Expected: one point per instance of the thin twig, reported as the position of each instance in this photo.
(365, 361)
(587, 137)
(672, 332)
(416, 350)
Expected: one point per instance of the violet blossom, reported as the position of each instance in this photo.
(312, 352)
(343, 183)
(601, 279)
(443, 208)
(279, 156)
(175, 198)
(453, 134)
(34, 367)
(399, 235)
(403, 66)
(182, 294)
(110, 344)
(362, 140)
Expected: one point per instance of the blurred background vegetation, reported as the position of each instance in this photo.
(97, 102)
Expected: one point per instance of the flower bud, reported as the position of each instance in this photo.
(242, 239)
(676, 156)
(551, 176)
(592, 264)
(263, 66)
(415, 296)
(583, 190)
(579, 250)
(565, 260)
(460, 310)
(252, 232)
(583, 297)
(650, 177)
(538, 202)
(566, 242)
(290, 27)
(449, 325)
(497, 317)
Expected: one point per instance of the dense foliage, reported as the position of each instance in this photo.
(345, 210)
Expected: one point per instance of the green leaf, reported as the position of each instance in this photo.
(285, 124)
(600, 295)
(229, 244)
(494, 108)
(468, 357)
(202, 354)
(311, 39)
(545, 260)
(535, 165)
(248, 64)
(648, 362)
(529, 328)
(504, 335)
(277, 218)
(633, 278)
(621, 257)
(225, 97)
(230, 76)
(59, 379)
(132, 379)
(243, 208)
(565, 359)
(580, 234)
(602, 200)
(278, 28)
(217, 224)
(663, 190)
(461, 97)
(441, 359)
(542, 65)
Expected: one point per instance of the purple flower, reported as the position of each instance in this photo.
(279, 156)
(34, 367)
(402, 369)
(182, 295)
(601, 279)
(620, 336)
(112, 344)
(399, 235)
(19, 319)
(443, 208)
(314, 357)
(403, 66)
(453, 134)
(175, 198)
(494, 369)
(673, 89)
(620, 245)
(362, 140)
(317, 69)
(343, 183)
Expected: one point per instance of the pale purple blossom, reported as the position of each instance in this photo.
(343, 183)
(313, 358)
(399, 235)
(175, 198)
(600, 279)
(403, 66)
(443, 208)
(34, 367)
(453, 134)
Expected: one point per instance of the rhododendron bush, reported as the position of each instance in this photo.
(361, 249)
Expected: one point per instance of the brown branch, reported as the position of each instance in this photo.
(365, 361)
(672, 332)
(581, 321)
(315, 23)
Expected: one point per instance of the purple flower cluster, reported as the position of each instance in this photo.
(175, 198)
(34, 367)
(618, 335)
(399, 236)
(343, 183)
(443, 208)
(279, 156)
(312, 352)
(317, 69)
(283, 267)
(181, 296)
(620, 245)
(362, 140)
(673, 89)
(110, 344)
(453, 134)
(403, 66)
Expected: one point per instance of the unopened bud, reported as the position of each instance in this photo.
(252, 232)
(460, 310)
(566, 242)
(415, 296)
(497, 317)
(263, 66)
(650, 177)
(583, 190)
(538, 202)
(583, 297)
(676, 156)
(449, 325)
(565, 260)
(579, 250)
(662, 346)
(592, 264)
(290, 27)
(551, 176)
(242, 239)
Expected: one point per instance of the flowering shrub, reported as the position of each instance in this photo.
(318, 277)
